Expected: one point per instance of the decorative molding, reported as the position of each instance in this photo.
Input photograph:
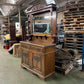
(38, 7)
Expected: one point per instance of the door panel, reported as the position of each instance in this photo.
(25, 56)
(37, 62)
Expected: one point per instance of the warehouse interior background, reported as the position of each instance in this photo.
(39, 56)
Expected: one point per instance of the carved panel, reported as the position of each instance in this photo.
(25, 56)
(37, 61)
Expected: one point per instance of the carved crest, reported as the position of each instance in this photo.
(38, 7)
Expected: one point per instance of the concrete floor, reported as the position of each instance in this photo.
(12, 73)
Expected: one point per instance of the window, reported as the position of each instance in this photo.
(50, 1)
(13, 1)
(1, 11)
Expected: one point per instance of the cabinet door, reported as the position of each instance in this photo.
(25, 56)
(37, 62)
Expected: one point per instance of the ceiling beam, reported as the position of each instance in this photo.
(8, 4)
(21, 2)
(22, 7)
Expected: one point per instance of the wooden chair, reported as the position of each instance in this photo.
(16, 50)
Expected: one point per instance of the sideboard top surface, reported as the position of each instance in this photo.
(40, 44)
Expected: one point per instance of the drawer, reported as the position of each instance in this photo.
(35, 48)
(25, 46)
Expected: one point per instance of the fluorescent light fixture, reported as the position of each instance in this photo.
(13, 1)
(47, 17)
(50, 2)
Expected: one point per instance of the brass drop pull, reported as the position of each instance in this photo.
(36, 48)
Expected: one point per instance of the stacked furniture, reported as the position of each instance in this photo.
(63, 61)
(12, 35)
(5, 29)
(38, 54)
(0, 32)
(74, 26)
(61, 33)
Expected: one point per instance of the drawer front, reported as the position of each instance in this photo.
(25, 46)
(35, 48)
